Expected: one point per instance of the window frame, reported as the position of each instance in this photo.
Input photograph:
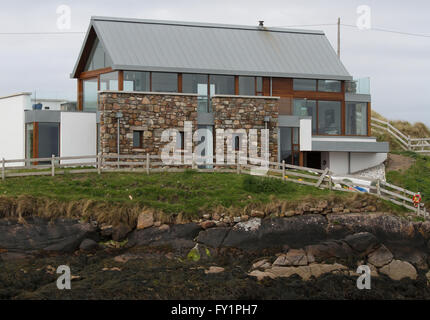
(141, 140)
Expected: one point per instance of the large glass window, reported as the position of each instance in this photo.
(49, 142)
(304, 85)
(109, 81)
(329, 86)
(90, 94)
(136, 81)
(98, 58)
(356, 118)
(247, 86)
(259, 83)
(289, 145)
(329, 117)
(197, 83)
(164, 82)
(222, 84)
(306, 108)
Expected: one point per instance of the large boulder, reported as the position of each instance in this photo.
(362, 242)
(294, 257)
(380, 257)
(37, 234)
(145, 220)
(398, 270)
(328, 249)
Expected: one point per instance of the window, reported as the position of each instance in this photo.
(98, 59)
(138, 139)
(356, 118)
(306, 108)
(49, 142)
(304, 85)
(109, 81)
(197, 83)
(289, 145)
(136, 81)
(329, 86)
(259, 86)
(329, 115)
(222, 84)
(164, 82)
(247, 86)
(90, 87)
(29, 141)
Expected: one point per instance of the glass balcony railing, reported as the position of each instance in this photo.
(358, 86)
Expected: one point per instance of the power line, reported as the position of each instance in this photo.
(42, 33)
(391, 31)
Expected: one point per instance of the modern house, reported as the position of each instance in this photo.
(27, 130)
(140, 77)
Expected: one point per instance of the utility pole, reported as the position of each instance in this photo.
(338, 37)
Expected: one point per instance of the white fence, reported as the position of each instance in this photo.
(419, 145)
(152, 163)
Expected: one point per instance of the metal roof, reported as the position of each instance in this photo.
(173, 46)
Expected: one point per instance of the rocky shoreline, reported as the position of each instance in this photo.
(304, 248)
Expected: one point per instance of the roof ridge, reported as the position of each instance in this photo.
(206, 25)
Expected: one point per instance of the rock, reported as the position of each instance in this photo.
(145, 220)
(164, 227)
(89, 245)
(214, 269)
(178, 236)
(398, 270)
(244, 218)
(257, 214)
(319, 269)
(323, 204)
(157, 223)
(236, 219)
(294, 257)
(250, 225)
(216, 216)
(206, 216)
(36, 234)
(207, 224)
(213, 237)
(260, 275)
(284, 272)
(290, 213)
(417, 258)
(380, 257)
(123, 258)
(106, 230)
(328, 249)
(363, 242)
(261, 264)
(120, 232)
(373, 270)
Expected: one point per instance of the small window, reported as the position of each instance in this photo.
(329, 86)
(138, 139)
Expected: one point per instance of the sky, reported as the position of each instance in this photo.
(397, 64)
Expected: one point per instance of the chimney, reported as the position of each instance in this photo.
(261, 24)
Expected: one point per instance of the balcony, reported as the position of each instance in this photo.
(358, 86)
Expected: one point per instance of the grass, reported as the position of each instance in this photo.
(416, 178)
(120, 197)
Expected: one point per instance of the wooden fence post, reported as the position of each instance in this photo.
(409, 143)
(378, 188)
(52, 166)
(147, 163)
(3, 175)
(330, 182)
(99, 163)
(283, 170)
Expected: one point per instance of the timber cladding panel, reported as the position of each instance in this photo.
(150, 113)
(248, 113)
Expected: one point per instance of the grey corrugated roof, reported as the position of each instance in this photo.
(219, 49)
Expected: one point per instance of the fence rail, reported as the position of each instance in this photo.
(152, 164)
(419, 145)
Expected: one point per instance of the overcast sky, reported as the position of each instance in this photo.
(398, 65)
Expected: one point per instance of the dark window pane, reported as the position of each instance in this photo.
(29, 141)
(306, 108)
(259, 88)
(329, 85)
(285, 142)
(247, 86)
(222, 84)
(329, 113)
(90, 94)
(356, 118)
(136, 81)
(304, 85)
(164, 82)
(48, 143)
(109, 81)
(137, 139)
(98, 58)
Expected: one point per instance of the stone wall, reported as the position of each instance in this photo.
(151, 113)
(238, 112)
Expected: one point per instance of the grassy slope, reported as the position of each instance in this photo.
(416, 178)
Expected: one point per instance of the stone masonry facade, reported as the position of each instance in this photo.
(152, 113)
